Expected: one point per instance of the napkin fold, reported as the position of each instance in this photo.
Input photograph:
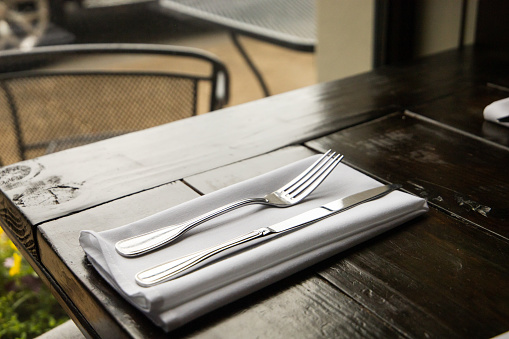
(239, 271)
(496, 111)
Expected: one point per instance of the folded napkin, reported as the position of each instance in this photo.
(498, 110)
(245, 269)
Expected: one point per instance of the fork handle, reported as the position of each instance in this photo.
(144, 243)
(175, 268)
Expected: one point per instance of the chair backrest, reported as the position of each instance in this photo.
(53, 98)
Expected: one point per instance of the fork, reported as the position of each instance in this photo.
(288, 195)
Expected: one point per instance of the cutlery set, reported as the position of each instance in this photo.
(290, 194)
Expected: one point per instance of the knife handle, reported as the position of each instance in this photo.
(173, 269)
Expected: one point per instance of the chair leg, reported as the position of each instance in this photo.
(15, 120)
(250, 63)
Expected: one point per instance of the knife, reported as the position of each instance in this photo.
(178, 267)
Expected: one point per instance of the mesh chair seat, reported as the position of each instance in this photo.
(49, 109)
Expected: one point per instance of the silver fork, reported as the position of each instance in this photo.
(288, 195)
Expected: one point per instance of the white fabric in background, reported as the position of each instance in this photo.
(252, 266)
(496, 110)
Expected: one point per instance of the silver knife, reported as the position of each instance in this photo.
(178, 267)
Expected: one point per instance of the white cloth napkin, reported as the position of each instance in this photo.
(496, 110)
(240, 271)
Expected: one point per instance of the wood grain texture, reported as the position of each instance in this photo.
(434, 277)
(464, 111)
(17, 224)
(49, 281)
(301, 306)
(109, 314)
(222, 177)
(462, 175)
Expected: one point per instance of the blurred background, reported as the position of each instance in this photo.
(142, 21)
(348, 37)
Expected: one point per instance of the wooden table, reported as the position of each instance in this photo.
(442, 275)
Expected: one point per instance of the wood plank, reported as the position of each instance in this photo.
(18, 226)
(433, 277)
(491, 67)
(225, 176)
(48, 280)
(455, 172)
(464, 110)
(109, 314)
(302, 305)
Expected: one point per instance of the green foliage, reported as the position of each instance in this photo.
(27, 307)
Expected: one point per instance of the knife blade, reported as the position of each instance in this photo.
(178, 267)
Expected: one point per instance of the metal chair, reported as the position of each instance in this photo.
(54, 98)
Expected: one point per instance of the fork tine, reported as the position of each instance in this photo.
(304, 176)
(312, 184)
(311, 174)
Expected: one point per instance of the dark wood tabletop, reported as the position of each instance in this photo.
(441, 275)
